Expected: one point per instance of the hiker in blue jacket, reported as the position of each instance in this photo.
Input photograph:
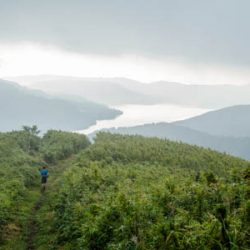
(44, 172)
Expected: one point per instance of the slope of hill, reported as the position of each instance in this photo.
(20, 106)
(121, 192)
(22, 153)
(239, 147)
(232, 121)
(125, 91)
(130, 192)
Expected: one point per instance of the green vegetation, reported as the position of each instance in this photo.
(21, 155)
(17, 174)
(127, 192)
(58, 145)
(236, 146)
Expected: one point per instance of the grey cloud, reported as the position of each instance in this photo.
(214, 31)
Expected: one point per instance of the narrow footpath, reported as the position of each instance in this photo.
(32, 228)
(37, 221)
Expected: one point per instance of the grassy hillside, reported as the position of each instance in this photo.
(18, 173)
(121, 192)
(22, 153)
(232, 121)
(130, 192)
(20, 106)
(239, 147)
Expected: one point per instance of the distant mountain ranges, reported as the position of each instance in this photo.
(21, 106)
(227, 129)
(106, 91)
(120, 91)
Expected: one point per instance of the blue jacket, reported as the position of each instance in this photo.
(44, 172)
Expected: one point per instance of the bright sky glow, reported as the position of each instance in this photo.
(34, 59)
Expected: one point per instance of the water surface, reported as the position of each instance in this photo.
(134, 115)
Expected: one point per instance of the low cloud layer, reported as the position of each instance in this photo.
(33, 59)
(206, 32)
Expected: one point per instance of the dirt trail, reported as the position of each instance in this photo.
(32, 224)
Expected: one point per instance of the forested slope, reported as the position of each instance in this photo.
(121, 192)
(236, 146)
(22, 153)
(130, 192)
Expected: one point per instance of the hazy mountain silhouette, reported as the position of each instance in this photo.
(110, 91)
(232, 121)
(20, 106)
(117, 91)
(204, 96)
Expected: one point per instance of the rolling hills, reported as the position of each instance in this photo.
(121, 192)
(131, 192)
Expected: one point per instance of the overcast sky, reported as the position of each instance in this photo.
(148, 40)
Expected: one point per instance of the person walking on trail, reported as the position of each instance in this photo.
(44, 172)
